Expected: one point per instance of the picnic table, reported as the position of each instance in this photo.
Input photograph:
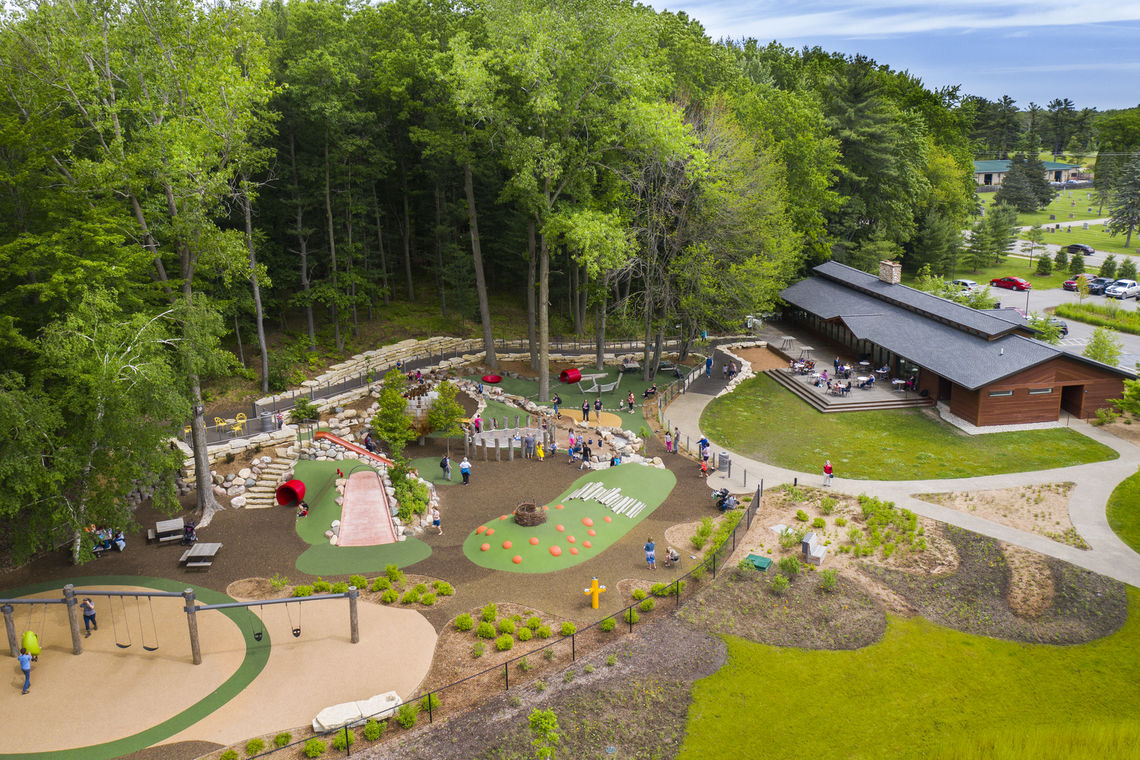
(200, 555)
(630, 366)
(167, 530)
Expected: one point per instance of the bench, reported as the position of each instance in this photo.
(150, 538)
(166, 531)
(200, 556)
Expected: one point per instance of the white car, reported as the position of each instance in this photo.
(966, 286)
(1123, 289)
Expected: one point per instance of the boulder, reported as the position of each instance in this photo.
(218, 479)
(334, 541)
(228, 479)
(237, 502)
(237, 490)
(250, 482)
(219, 491)
(329, 534)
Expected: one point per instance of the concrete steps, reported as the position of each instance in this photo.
(833, 404)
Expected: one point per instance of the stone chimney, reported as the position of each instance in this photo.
(890, 272)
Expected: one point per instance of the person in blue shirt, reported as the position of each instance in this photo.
(708, 367)
(651, 553)
(25, 660)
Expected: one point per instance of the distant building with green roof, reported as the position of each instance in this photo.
(991, 173)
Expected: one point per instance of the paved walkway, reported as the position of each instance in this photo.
(1094, 483)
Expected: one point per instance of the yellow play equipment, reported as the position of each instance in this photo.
(593, 592)
(31, 642)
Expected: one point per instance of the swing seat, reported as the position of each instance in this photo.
(31, 642)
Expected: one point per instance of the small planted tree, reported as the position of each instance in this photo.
(1061, 260)
(1044, 265)
(1077, 264)
(1103, 347)
(1108, 267)
(544, 733)
(1127, 269)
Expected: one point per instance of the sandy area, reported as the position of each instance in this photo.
(1031, 587)
(106, 692)
(760, 358)
(322, 668)
(609, 419)
(1040, 509)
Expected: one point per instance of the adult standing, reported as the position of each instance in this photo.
(585, 410)
(436, 520)
(280, 420)
(630, 400)
(598, 408)
(89, 621)
(676, 439)
(465, 471)
(708, 367)
(828, 471)
(445, 465)
(25, 661)
(528, 446)
(651, 553)
(557, 400)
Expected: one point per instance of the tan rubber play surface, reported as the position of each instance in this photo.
(609, 419)
(108, 693)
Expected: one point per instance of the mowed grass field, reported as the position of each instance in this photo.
(763, 421)
(923, 691)
(1123, 511)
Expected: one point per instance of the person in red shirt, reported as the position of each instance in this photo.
(827, 472)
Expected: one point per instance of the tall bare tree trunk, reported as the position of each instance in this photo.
(380, 241)
(303, 243)
(237, 334)
(600, 333)
(259, 315)
(332, 250)
(351, 258)
(532, 262)
(492, 359)
(543, 319)
(439, 279)
(408, 240)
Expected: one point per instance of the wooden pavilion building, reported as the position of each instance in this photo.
(987, 366)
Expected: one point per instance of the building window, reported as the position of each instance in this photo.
(996, 394)
(1039, 391)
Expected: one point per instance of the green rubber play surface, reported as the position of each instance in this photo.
(575, 529)
(322, 558)
(428, 468)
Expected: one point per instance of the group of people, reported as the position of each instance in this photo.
(580, 450)
(105, 538)
(729, 370)
(597, 409)
(672, 557)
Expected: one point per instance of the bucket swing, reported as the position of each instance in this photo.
(257, 624)
(153, 628)
(31, 640)
(295, 627)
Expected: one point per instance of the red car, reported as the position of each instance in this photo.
(1011, 283)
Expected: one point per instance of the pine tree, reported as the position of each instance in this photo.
(1108, 267)
(1077, 264)
(1044, 265)
(1127, 269)
(1061, 259)
(1124, 208)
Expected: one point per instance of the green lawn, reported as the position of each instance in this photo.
(919, 688)
(572, 398)
(1060, 207)
(1013, 267)
(1097, 236)
(1123, 511)
(763, 421)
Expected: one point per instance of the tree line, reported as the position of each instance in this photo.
(179, 173)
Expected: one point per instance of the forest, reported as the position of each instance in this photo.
(182, 178)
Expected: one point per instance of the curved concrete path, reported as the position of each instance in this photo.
(1093, 484)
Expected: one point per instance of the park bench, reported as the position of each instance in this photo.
(814, 552)
(166, 531)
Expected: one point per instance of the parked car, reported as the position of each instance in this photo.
(1072, 284)
(1011, 283)
(1081, 248)
(1123, 289)
(1098, 285)
(966, 286)
(1061, 324)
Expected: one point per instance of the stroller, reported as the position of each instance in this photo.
(189, 534)
(724, 501)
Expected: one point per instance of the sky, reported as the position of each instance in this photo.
(1031, 50)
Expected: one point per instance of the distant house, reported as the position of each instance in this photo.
(991, 173)
(986, 366)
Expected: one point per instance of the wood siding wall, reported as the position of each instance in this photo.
(1099, 386)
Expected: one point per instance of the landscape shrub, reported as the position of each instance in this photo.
(611, 659)
(540, 686)
(410, 596)
(421, 588)
(431, 701)
(506, 625)
(359, 581)
(631, 616)
(589, 668)
(701, 536)
(789, 566)
(698, 572)
(801, 515)
(790, 538)
(322, 586)
(525, 634)
(381, 584)
(647, 605)
(727, 525)
(659, 589)
(569, 629)
(342, 739)
(827, 504)
(464, 622)
(374, 729)
(427, 600)
(796, 494)
(1102, 315)
(302, 591)
(639, 594)
(548, 654)
(608, 624)
(829, 580)
(490, 612)
(229, 754)
(315, 748)
(854, 535)
(533, 622)
(819, 523)
(485, 630)
(568, 676)
(407, 714)
(282, 738)
(340, 587)
(524, 664)
(389, 596)
(780, 583)
(504, 642)
(543, 632)
(394, 574)
(840, 522)
(278, 581)
(254, 746)
(478, 649)
(443, 588)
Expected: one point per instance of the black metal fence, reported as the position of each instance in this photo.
(624, 620)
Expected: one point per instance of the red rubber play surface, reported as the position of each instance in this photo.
(365, 518)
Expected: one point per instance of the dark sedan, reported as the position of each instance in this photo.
(1011, 283)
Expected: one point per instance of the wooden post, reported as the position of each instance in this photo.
(353, 616)
(10, 627)
(192, 622)
(499, 450)
(73, 619)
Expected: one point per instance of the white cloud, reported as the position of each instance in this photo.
(768, 19)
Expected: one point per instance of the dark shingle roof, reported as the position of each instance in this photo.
(962, 356)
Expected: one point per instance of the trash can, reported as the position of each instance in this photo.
(268, 422)
(724, 461)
